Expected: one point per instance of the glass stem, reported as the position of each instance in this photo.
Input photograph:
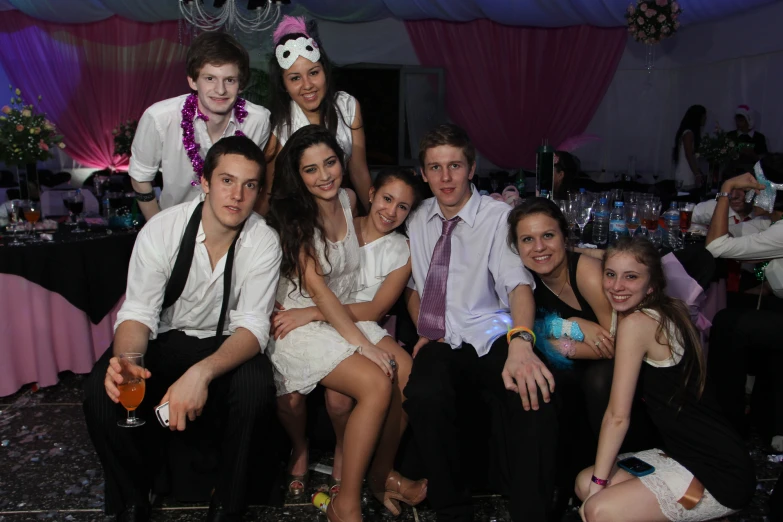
(131, 416)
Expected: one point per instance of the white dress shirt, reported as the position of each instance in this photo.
(482, 268)
(756, 239)
(255, 275)
(702, 213)
(157, 145)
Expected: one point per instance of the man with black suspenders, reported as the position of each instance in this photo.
(201, 288)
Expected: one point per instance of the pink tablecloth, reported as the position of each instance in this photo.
(42, 334)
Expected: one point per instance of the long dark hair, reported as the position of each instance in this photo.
(293, 211)
(692, 122)
(280, 100)
(532, 207)
(569, 165)
(673, 312)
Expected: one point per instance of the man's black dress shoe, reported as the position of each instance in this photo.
(134, 513)
(218, 513)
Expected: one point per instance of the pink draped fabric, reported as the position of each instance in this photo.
(513, 87)
(43, 334)
(92, 76)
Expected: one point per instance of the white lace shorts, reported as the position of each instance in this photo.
(669, 482)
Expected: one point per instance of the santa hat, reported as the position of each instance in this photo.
(744, 110)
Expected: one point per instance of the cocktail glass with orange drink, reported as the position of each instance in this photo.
(132, 387)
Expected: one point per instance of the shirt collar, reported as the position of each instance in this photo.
(750, 133)
(244, 237)
(467, 213)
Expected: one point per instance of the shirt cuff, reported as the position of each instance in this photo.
(141, 172)
(127, 313)
(254, 323)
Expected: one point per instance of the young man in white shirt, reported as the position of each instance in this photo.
(198, 269)
(746, 341)
(174, 135)
(464, 337)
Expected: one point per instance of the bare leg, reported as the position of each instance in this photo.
(292, 412)
(339, 407)
(360, 378)
(394, 427)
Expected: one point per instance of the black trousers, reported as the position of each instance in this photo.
(132, 457)
(742, 342)
(525, 441)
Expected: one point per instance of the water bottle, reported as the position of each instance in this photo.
(601, 224)
(671, 234)
(617, 226)
(106, 206)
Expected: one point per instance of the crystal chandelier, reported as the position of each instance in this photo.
(261, 15)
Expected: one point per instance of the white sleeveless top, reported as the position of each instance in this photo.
(346, 112)
(377, 260)
(682, 170)
(672, 336)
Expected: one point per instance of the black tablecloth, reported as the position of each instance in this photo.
(90, 270)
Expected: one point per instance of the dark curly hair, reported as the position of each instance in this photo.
(293, 211)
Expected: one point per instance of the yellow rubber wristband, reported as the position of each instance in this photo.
(520, 329)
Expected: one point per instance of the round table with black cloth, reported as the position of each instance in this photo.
(90, 270)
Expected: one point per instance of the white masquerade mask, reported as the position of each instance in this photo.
(288, 53)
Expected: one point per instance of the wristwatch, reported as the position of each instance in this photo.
(721, 195)
(525, 336)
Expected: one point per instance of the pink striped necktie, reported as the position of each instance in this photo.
(432, 313)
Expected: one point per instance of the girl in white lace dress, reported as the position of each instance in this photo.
(320, 265)
(702, 470)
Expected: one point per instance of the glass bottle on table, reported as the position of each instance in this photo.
(132, 387)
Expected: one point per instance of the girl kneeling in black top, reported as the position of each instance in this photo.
(702, 470)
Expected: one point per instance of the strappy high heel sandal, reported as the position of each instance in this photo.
(394, 493)
(297, 484)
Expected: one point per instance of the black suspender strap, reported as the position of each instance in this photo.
(227, 273)
(179, 274)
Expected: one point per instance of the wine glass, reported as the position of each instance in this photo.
(14, 208)
(74, 202)
(583, 216)
(32, 213)
(132, 387)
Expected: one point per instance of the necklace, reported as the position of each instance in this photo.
(561, 288)
(190, 111)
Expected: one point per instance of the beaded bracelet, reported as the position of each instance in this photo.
(145, 196)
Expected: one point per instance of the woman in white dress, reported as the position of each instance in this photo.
(702, 470)
(320, 265)
(687, 173)
(302, 93)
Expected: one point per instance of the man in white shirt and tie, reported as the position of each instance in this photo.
(471, 295)
(174, 135)
(201, 289)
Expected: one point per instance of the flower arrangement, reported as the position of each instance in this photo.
(719, 148)
(650, 21)
(26, 136)
(123, 137)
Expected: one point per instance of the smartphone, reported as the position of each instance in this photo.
(636, 467)
(162, 413)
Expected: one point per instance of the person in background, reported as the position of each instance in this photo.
(687, 173)
(702, 470)
(175, 135)
(746, 341)
(566, 171)
(745, 133)
(302, 92)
